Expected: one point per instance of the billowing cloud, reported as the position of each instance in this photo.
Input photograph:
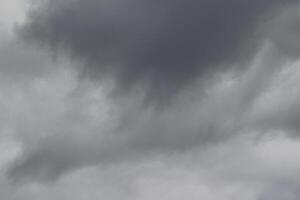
(229, 71)
(89, 129)
(163, 45)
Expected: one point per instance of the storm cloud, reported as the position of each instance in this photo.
(162, 45)
(229, 72)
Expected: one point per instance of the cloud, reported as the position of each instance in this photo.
(84, 128)
(163, 45)
(285, 30)
(255, 171)
(230, 133)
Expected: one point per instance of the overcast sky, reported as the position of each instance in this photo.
(149, 99)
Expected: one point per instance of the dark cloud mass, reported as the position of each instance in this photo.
(149, 99)
(165, 45)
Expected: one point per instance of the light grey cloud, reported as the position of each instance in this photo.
(240, 168)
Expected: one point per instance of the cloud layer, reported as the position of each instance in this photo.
(228, 70)
(163, 45)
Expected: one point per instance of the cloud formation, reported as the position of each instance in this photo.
(229, 69)
(163, 45)
(91, 130)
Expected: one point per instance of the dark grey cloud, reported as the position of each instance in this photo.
(165, 45)
(21, 61)
(137, 134)
(229, 130)
(285, 32)
(281, 191)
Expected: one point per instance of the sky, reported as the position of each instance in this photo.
(149, 99)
